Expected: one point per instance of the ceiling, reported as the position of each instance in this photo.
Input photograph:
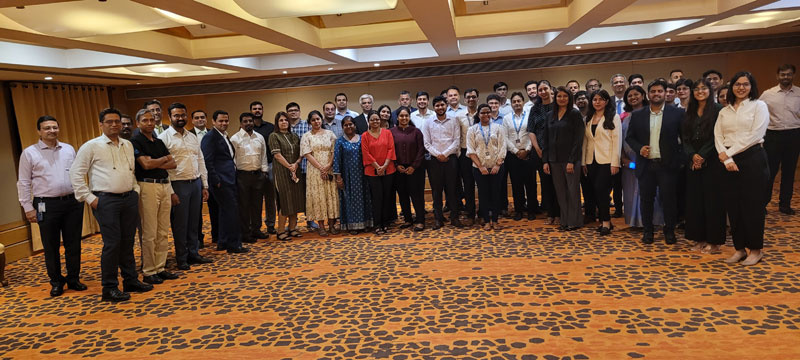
(150, 42)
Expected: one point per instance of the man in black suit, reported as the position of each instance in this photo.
(653, 134)
(361, 121)
(218, 154)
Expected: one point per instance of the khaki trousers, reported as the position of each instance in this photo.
(154, 208)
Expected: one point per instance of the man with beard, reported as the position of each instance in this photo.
(654, 134)
(128, 127)
(250, 157)
(531, 87)
(442, 137)
(190, 184)
(265, 128)
(581, 102)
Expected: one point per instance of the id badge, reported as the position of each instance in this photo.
(40, 212)
(517, 141)
(487, 154)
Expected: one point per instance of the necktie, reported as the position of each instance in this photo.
(619, 107)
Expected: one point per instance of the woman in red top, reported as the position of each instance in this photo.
(377, 148)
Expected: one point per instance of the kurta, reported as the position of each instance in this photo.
(355, 203)
(292, 195)
(322, 198)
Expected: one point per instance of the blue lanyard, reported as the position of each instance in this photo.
(520, 122)
(486, 139)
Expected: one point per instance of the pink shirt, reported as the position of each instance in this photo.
(44, 172)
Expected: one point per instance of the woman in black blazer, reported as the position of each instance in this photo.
(561, 154)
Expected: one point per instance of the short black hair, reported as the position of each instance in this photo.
(107, 111)
(294, 104)
(453, 87)
(151, 102)
(244, 115)
(674, 71)
(657, 82)
(635, 76)
(175, 105)
(439, 99)
(517, 93)
(423, 93)
(405, 92)
(672, 86)
(580, 93)
(340, 94)
(218, 113)
(712, 71)
(254, 103)
(531, 82)
(328, 102)
(684, 81)
(753, 95)
(498, 85)
(477, 93)
(42, 119)
(785, 67)
(598, 83)
(197, 111)
(494, 97)
(574, 81)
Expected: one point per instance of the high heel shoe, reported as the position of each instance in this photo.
(753, 259)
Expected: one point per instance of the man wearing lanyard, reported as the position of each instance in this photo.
(114, 196)
(465, 187)
(442, 137)
(519, 146)
(44, 174)
(496, 118)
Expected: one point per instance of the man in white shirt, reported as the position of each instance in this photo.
(420, 117)
(250, 157)
(442, 138)
(465, 179)
(112, 192)
(532, 89)
(190, 184)
(619, 84)
(782, 141)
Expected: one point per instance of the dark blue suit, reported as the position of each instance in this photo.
(658, 173)
(222, 183)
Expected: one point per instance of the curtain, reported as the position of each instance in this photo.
(76, 108)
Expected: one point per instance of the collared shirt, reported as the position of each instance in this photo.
(655, 132)
(335, 126)
(784, 107)
(517, 132)
(488, 143)
(442, 137)
(185, 150)
(527, 107)
(44, 172)
(338, 117)
(109, 168)
(738, 130)
(251, 151)
(497, 120)
(460, 114)
(420, 120)
(265, 129)
(505, 108)
(142, 146)
(619, 105)
(300, 129)
(200, 133)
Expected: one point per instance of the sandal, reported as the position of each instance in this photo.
(321, 231)
(295, 233)
(333, 230)
(284, 236)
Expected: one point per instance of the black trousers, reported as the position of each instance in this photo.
(230, 236)
(534, 166)
(382, 195)
(117, 216)
(62, 218)
(705, 213)
(549, 201)
(443, 177)
(249, 186)
(616, 183)
(213, 215)
(489, 194)
(600, 179)
(523, 185)
(270, 201)
(662, 180)
(411, 189)
(783, 148)
(467, 183)
(743, 193)
(589, 198)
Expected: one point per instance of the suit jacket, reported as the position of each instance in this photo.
(361, 124)
(604, 145)
(219, 161)
(639, 136)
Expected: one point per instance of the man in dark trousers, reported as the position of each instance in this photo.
(218, 154)
(653, 134)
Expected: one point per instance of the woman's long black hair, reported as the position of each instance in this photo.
(608, 113)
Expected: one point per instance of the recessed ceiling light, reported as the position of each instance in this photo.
(578, 47)
(376, 64)
(330, 68)
(668, 39)
(285, 72)
(48, 78)
(138, 83)
(635, 43)
(164, 69)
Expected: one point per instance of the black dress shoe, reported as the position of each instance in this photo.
(166, 275)
(271, 230)
(604, 231)
(76, 285)
(531, 215)
(239, 250)
(220, 248)
(249, 240)
(260, 235)
(114, 295)
(670, 238)
(57, 290)
(438, 225)
(199, 260)
(153, 279)
(517, 215)
(647, 238)
(184, 266)
(136, 286)
(786, 210)
(201, 245)
(455, 222)
(617, 214)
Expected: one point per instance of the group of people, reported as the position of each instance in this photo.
(672, 150)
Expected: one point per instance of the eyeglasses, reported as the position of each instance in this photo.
(741, 85)
(470, 97)
(293, 110)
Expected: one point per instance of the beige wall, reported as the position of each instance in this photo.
(761, 63)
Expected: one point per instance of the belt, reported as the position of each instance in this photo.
(119, 195)
(656, 160)
(155, 181)
(183, 181)
(54, 198)
(254, 172)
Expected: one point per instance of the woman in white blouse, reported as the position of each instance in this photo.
(738, 135)
(486, 146)
(602, 148)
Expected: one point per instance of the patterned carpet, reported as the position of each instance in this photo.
(526, 292)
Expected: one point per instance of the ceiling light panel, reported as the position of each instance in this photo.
(388, 53)
(782, 4)
(75, 19)
(33, 55)
(294, 8)
(758, 20)
(630, 32)
(166, 70)
(505, 43)
(273, 62)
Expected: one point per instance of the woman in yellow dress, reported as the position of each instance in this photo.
(322, 198)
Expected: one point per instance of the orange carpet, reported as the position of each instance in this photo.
(526, 292)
